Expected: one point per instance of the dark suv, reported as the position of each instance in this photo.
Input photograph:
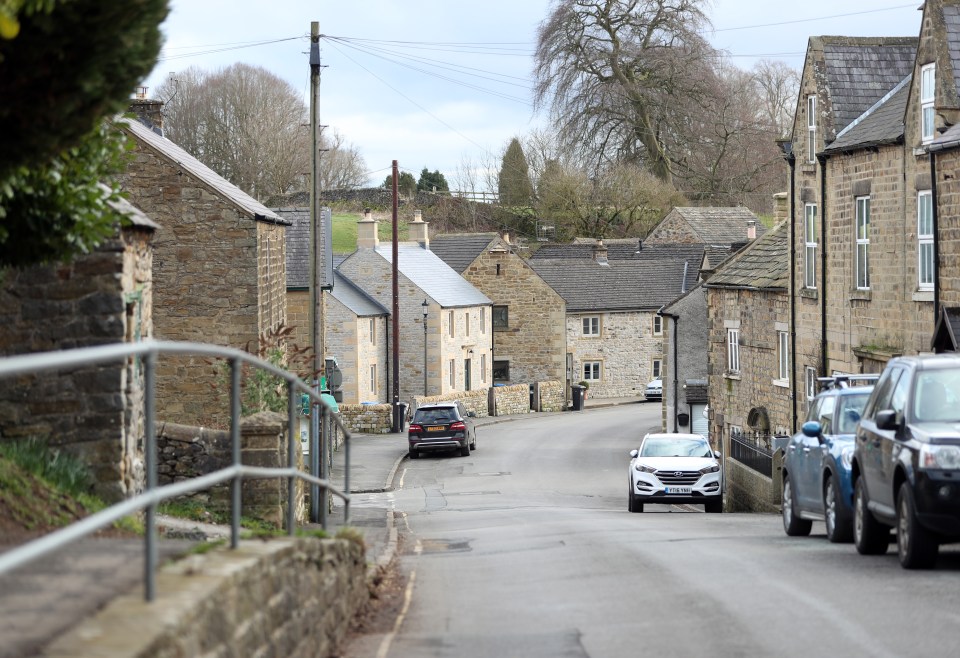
(442, 426)
(906, 462)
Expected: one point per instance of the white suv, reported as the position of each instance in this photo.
(670, 469)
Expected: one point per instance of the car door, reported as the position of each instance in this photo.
(800, 457)
(882, 492)
(812, 456)
(870, 439)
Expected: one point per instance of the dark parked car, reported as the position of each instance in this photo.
(442, 426)
(816, 464)
(906, 463)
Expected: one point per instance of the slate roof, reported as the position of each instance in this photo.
(437, 279)
(620, 251)
(881, 124)
(197, 169)
(861, 70)
(133, 214)
(715, 225)
(458, 250)
(951, 16)
(621, 285)
(298, 246)
(354, 298)
(715, 255)
(763, 265)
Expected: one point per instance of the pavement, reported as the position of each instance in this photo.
(46, 598)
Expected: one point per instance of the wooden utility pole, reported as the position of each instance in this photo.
(397, 416)
(318, 451)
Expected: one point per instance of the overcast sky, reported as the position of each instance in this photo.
(434, 83)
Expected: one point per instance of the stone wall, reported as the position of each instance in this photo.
(95, 412)
(552, 396)
(625, 348)
(291, 597)
(511, 400)
(475, 401)
(749, 491)
(185, 452)
(367, 418)
(263, 442)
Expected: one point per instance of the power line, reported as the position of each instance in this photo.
(818, 18)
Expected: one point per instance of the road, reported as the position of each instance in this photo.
(526, 548)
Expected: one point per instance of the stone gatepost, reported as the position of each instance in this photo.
(263, 442)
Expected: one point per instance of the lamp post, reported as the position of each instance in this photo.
(425, 306)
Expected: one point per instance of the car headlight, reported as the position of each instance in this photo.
(846, 457)
(945, 457)
(643, 468)
(710, 469)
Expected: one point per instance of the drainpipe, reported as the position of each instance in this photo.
(936, 238)
(675, 321)
(792, 164)
(822, 160)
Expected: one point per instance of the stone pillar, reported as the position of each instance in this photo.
(418, 230)
(263, 442)
(367, 237)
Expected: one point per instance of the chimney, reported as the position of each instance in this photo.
(779, 207)
(506, 236)
(600, 252)
(367, 237)
(418, 230)
(149, 111)
(751, 229)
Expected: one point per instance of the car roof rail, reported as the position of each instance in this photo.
(845, 380)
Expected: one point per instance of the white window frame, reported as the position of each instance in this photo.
(812, 128)
(657, 325)
(925, 240)
(928, 94)
(656, 368)
(592, 371)
(590, 325)
(466, 322)
(811, 381)
(810, 246)
(783, 356)
(373, 378)
(451, 322)
(862, 234)
(452, 367)
(483, 320)
(373, 331)
(483, 368)
(733, 350)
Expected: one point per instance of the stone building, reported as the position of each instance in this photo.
(219, 269)
(529, 334)
(95, 412)
(614, 335)
(686, 334)
(749, 343)
(707, 226)
(445, 335)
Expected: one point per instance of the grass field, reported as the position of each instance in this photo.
(345, 231)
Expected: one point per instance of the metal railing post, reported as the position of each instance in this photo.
(324, 465)
(315, 454)
(292, 438)
(236, 511)
(150, 458)
(346, 477)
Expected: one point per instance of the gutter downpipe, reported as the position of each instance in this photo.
(675, 321)
(822, 161)
(936, 238)
(792, 164)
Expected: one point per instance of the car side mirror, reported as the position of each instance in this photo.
(814, 430)
(634, 453)
(716, 453)
(887, 419)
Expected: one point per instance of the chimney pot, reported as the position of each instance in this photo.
(751, 230)
(417, 215)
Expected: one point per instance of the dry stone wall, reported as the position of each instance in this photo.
(367, 418)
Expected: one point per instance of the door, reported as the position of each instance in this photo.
(466, 373)
(871, 439)
(698, 420)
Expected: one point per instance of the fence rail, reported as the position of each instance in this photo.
(757, 457)
(150, 351)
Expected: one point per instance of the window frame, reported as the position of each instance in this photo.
(505, 365)
(373, 378)
(451, 324)
(483, 368)
(373, 331)
(656, 368)
(928, 94)
(592, 371)
(925, 240)
(452, 371)
(657, 325)
(862, 238)
(483, 320)
(810, 246)
(812, 128)
(466, 323)
(590, 326)
(810, 374)
(783, 356)
(733, 350)
(498, 311)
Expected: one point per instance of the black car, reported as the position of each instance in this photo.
(442, 426)
(906, 461)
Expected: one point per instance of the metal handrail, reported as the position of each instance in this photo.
(149, 350)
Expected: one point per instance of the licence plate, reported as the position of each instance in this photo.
(436, 428)
(677, 490)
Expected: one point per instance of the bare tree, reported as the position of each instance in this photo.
(778, 85)
(251, 127)
(614, 73)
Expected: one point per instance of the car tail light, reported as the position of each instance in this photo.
(415, 429)
(458, 426)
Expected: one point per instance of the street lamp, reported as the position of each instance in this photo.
(425, 306)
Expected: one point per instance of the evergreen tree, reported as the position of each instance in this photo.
(432, 181)
(514, 184)
(407, 185)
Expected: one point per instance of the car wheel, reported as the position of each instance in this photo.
(714, 506)
(473, 446)
(839, 525)
(465, 450)
(917, 547)
(793, 525)
(413, 454)
(633, 503)
(869, 535)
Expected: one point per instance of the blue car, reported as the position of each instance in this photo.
(816, 467)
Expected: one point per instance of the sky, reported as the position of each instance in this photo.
(443, 84)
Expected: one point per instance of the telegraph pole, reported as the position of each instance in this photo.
(397, 417)
(318, 443)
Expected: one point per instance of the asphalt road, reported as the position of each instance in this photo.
(526, 548)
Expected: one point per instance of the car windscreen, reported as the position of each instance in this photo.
(936, 396)
(437, 416)
(654, 447)
(850, 411)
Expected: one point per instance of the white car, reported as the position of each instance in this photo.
(670, 469)
(654, 390)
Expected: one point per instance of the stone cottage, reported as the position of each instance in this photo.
(219, 269)
(101, 298)
(717, 226)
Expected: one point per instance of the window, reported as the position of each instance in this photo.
(451, 326)
(811, 128)
(783, 352)
(657, 365)
(373, 378)
(501, 317)
(657, 325)
(863, 243)
(811, 382)
(453, 373)
(925, 240)
(591, 325)
(466, 323)
(373, 331)
(810, 245)
(591, 371)
(483, 367)
(927, 95)
(733, 350)
(483, 320)
(501, 371)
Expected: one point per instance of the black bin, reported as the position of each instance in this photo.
(578, 394)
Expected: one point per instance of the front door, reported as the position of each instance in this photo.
(466, 374)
